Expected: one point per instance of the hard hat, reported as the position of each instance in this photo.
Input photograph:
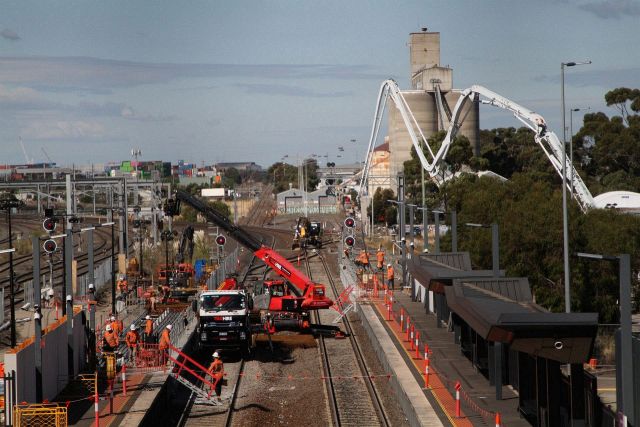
(148, 317)
(132, 327)
(113, 318)
(169, 327)
(108, 328)
(216, 355)
(388, 265)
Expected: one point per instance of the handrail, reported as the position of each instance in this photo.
(203, 378)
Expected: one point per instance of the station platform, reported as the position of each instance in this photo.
(128, 408)
(478, 403)
(447, 366)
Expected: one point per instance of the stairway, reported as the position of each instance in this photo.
(198, 382)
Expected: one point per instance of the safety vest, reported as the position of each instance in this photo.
(148, 328)
(116, 325)
(111, 339)
(390, 273)
(216, 368)
(164, 340)
(380, 258)
(132, 338)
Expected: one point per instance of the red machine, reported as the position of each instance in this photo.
(296, 294)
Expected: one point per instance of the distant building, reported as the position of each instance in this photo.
(294, 201)
(240, 166)
(379, 168)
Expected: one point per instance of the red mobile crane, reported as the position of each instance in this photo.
(292, 306)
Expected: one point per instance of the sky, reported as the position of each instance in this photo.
(85, 81)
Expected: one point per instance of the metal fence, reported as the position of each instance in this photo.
(102, 279)
(228, 265)
(329, 209)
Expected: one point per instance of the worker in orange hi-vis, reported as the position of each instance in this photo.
(109, 340)
(133, 340)
(216, 371)
(165, 342)
(148, 329)
(116, 325)
(390, 277)
(380, 259)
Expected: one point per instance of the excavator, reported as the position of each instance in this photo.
(283, 304)
(181, 276)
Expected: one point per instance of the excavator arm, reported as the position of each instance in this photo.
(312, 295)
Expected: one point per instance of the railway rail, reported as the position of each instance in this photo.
(351, 403)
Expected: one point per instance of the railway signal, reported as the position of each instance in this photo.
(49, 246)
(221, 240)
(349, 222)
(49, 224)
(349, 241)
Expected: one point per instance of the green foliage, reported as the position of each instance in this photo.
(282, 174)
(384, 212)
(527, 207)
(231, 178)
(221, 207)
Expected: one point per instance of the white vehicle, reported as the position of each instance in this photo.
(224, 319)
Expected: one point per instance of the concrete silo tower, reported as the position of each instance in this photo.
(431, 99)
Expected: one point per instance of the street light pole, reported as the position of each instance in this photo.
(565, 219)
(113, 265)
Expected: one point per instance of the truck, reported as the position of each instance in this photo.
(224, 319)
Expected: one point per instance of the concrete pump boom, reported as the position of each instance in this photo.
(547, 140)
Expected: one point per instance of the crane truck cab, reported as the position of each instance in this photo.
(224, 319)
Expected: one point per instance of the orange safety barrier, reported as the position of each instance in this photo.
(148, 356)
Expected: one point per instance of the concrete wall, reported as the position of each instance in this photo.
(424, 108)
(424, 50)
(55, 374)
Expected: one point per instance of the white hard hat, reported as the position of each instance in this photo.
(132, 327)
(215, 354)
(108, 328)
(113, 318)
(148, 317)
(169, 327)
(388, 265)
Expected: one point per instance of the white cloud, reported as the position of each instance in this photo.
(18, 95)
(64, 129)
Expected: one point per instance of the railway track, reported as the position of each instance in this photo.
(197, 413)
(352, 396)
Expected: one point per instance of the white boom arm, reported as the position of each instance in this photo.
(549, 142)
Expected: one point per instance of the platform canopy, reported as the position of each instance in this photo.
(502, 310)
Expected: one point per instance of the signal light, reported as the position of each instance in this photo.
(349, 241)
(221, 240)
(349, 222)
(49, 224)
(49, 246)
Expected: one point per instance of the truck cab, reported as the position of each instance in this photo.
(224, 319)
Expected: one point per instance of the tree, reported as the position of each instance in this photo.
(231, 177)
(282, 174)
(622, 96)
(385, 212)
